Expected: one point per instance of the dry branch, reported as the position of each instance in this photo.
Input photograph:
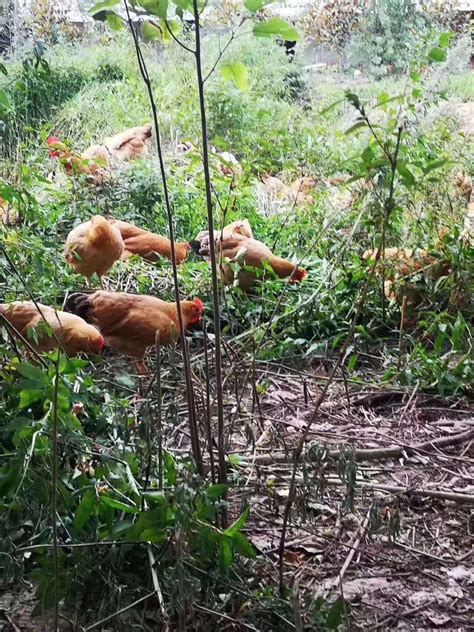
(374, 454)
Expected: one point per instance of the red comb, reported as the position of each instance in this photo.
(102, 344)
(199, 304)
(53, 140)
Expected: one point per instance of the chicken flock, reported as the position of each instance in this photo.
(130, 323)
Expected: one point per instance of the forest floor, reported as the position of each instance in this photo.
(413, 462)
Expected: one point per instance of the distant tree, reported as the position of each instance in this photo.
(333, 22)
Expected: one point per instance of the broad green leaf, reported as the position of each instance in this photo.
(256, 5)
(186, 5)
(32, 373)
(437, 54)
(332, 106)
(214, 491)
(226, 554)
(238, 524)
(237, 73)
(105, 4)
(352, 362)
(334, 618)
(445, 39)
(108, 501)
(434, 164)
(170, 468)
(415, 76)
(85, 509)
(353, 99)
(368, 155)
(115, 22)
(355, 127)
(29, 397)
(406, 174)
(170, 27)
(4, 100)
(155, 497)
(155, 7)
(151, 32)
(276, 27)
(243, 546)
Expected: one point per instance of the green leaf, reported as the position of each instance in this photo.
(115, 22)
(29, 397)
(353, 99)
(437, 54)
(151, 32)
(32, 373)
(100, 6)
(237, 73)
(355, 127)
(4, 100)
(85, 509)
(226, 554)
(445, 39)
(214, 491)
(352, 362)
(155, 7)
(108, 501)
(276, 27)
(434, 164)
(334, 618)
(238, 524)
(332, 106)
(256, 5)
(368, 155)
(406, 174)
(243, 546)
(170, 27)
(170, 467)
(3, 69)
(415, 76)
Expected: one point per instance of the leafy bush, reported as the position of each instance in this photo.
(391, 37)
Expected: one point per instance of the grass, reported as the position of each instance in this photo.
(272, 128)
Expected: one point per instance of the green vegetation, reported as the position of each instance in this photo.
(153, 520)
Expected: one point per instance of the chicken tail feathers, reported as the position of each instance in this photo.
(79, 304)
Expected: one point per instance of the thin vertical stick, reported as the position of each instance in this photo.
(402, 327)
(212, 251)
(54, 494)
(159, 421)
(208, 404)
(191, 410)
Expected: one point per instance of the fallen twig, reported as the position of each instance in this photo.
(354, 548)
(373, 454)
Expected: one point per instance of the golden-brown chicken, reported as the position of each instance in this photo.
(129, 144)
(129, 322)
(402, 263)
(89, 164)
(298, 193)
(276, 188)
(463, 185)
(228, 165)
(300, 190)
(94, 247)
(8, 215)
(239, 227)
(72, 332)
(148, 245)
(252, 253)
